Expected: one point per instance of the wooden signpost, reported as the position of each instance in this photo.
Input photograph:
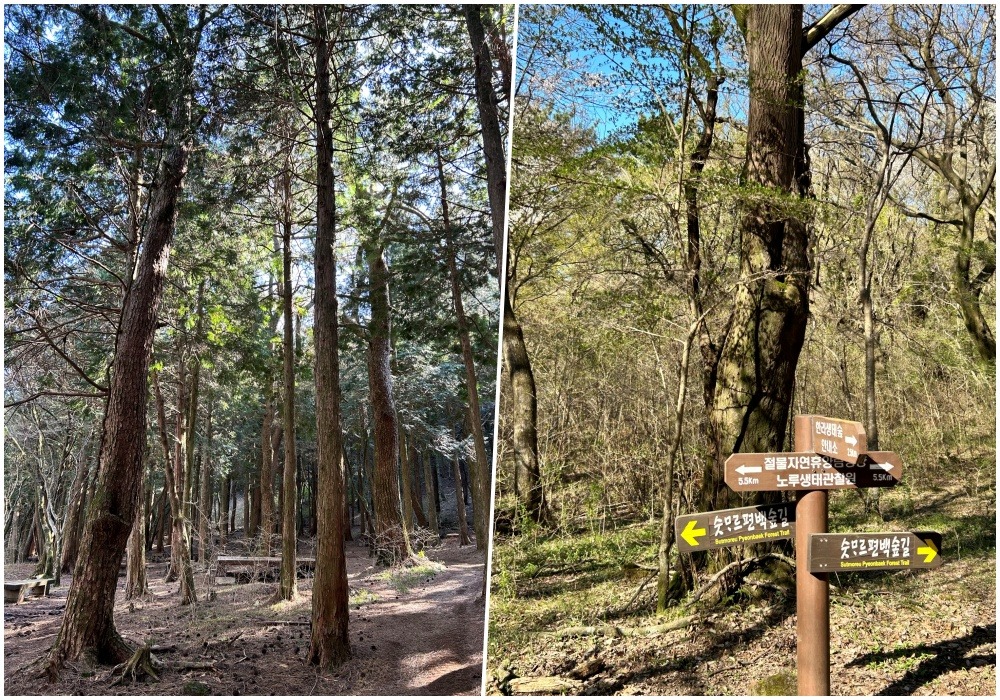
(806, 471)
(728, 528)
(837, 438)
(864, 551)
(829, 453)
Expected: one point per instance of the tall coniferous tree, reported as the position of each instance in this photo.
(89, 619)
(517, 363)
(329, 644)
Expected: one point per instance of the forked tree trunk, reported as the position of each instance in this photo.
(761, 351)
(180, 546)
(329, 645)
(74, 519)
(88, 622)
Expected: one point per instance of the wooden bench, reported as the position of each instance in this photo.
(224, 564)
(14, 591)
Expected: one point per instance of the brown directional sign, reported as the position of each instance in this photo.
(807, 471)
(838, 439)
(728, 528)
(865, 551)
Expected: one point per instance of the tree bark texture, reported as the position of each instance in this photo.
(389, 534)
(288, 589)
(523, 416)
(761, 350)
(463, 525)
(180, 549)
(489, 119)
(329, 645)
(205, 500)
(225, 494)
(136, 584)
(75, 510)
(267, 474)
(88, 622)
(430, 484)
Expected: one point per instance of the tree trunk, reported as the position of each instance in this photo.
(88, 622)
(390, 535)
(74, 518)
(188, 494)
(205, 506)
(405, 475)
(414, 458)
(523, 416)
(254, 504)
(463, 526)
(430, 489)
(761, 350)
(329, 645)
(288, 589)
(160, 525)
(482, 474)
(489, 119)
(348, 516)
(180, 546)
(225, 494)
(967, 291)
(136, 584)
(266, 475)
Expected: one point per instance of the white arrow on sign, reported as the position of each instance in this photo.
(851, 440)
(887, 466)
(744, 469)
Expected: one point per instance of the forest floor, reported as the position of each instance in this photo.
(930, 632)
(413, 631)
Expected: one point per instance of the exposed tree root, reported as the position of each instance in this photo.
(751, 565)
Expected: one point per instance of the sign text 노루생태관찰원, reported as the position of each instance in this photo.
(807, 471)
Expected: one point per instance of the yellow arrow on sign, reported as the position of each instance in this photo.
(929, 552)
(690, 532)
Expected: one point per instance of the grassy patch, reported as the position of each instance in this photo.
(404, 578)
(362, 597)
(543, 582)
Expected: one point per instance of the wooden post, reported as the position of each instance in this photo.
(812, 591)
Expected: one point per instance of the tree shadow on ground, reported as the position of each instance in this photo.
(930, 504)
(717, 647)
(950, 655)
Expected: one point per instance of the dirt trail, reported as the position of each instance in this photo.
(416, 632)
